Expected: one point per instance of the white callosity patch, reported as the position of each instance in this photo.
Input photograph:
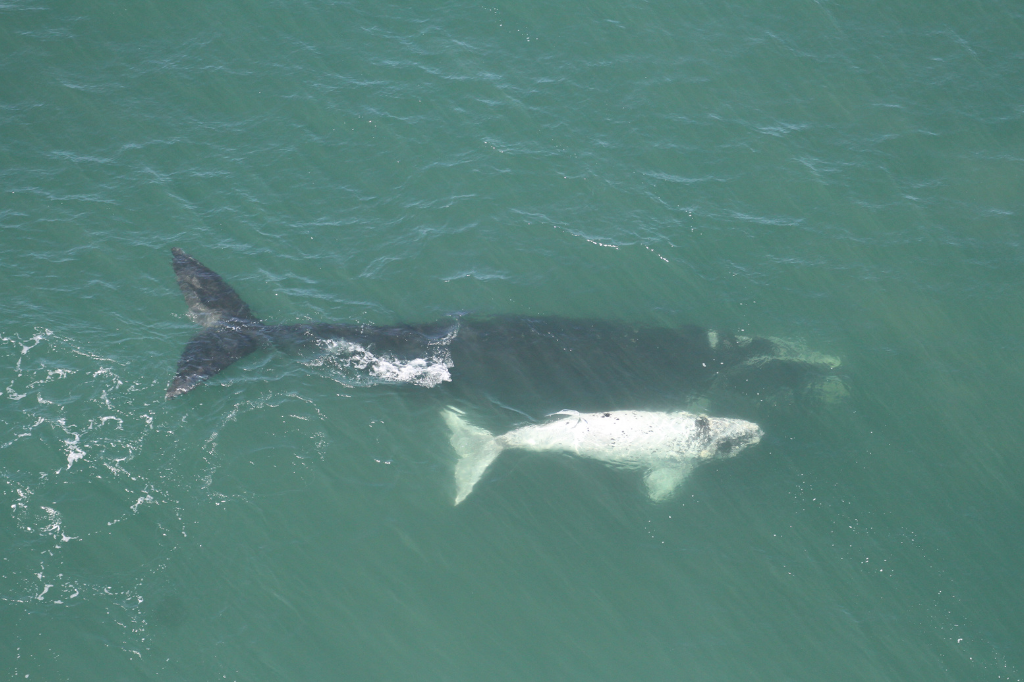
(667, 445)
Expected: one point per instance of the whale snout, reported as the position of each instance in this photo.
(733, 444)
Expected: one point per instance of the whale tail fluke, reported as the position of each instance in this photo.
(231, 330)
(476, 449)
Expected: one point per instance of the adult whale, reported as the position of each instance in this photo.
(529, 365)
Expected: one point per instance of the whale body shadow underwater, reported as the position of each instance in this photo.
(507, 368)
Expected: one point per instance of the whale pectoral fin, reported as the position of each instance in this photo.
(662, 480)
(210, 299)
(207, 353)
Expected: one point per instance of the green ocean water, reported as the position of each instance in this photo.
(848, 176)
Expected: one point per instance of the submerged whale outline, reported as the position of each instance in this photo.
(520, 363)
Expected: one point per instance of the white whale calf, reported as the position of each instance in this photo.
(667, 445)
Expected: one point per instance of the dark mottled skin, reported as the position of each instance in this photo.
(231, 333)
(210, 299)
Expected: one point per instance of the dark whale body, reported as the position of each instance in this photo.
(532, 365)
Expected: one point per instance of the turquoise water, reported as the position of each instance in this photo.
(848, 177)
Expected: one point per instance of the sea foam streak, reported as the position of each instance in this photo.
(358, 366)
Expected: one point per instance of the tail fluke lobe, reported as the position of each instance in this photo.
(210, 299)
(476, 449)
(210, 351)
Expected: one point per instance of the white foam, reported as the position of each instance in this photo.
(147, 499)
(354, 365)
(75, 452)
(419, 371)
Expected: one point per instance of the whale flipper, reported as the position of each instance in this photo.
(210, 299)
(663, 480)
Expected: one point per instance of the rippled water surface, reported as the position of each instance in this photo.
(846, 179)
